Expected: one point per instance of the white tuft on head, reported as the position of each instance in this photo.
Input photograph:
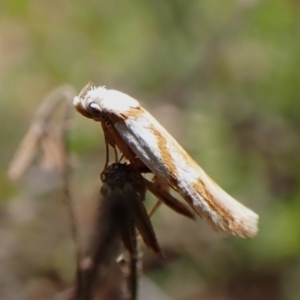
(104, 100)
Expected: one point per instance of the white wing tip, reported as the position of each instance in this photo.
(246, 225)
(242, 223)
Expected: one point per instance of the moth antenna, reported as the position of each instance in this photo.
(85, 89)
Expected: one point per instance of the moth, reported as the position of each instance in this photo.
(147, 145)
(121, 212)
(124, 188)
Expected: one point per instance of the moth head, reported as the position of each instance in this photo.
(96, 102)
(88, 102)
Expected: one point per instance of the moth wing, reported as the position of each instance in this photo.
(141, 220)
(161, 153)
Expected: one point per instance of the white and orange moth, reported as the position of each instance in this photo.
(145, 142)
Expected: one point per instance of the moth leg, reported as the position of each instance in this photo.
(155, 207)
(116, 154)
(116, 141)
(158, 202)
(109, 141)
(168, 199)
(106, 160)
(120, 159)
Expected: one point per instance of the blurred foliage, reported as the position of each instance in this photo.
(222, 76)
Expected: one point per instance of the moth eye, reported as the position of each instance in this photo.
(95, 109)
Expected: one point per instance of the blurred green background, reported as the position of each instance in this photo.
(221, 76)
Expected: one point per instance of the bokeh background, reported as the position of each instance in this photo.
(221, 76)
